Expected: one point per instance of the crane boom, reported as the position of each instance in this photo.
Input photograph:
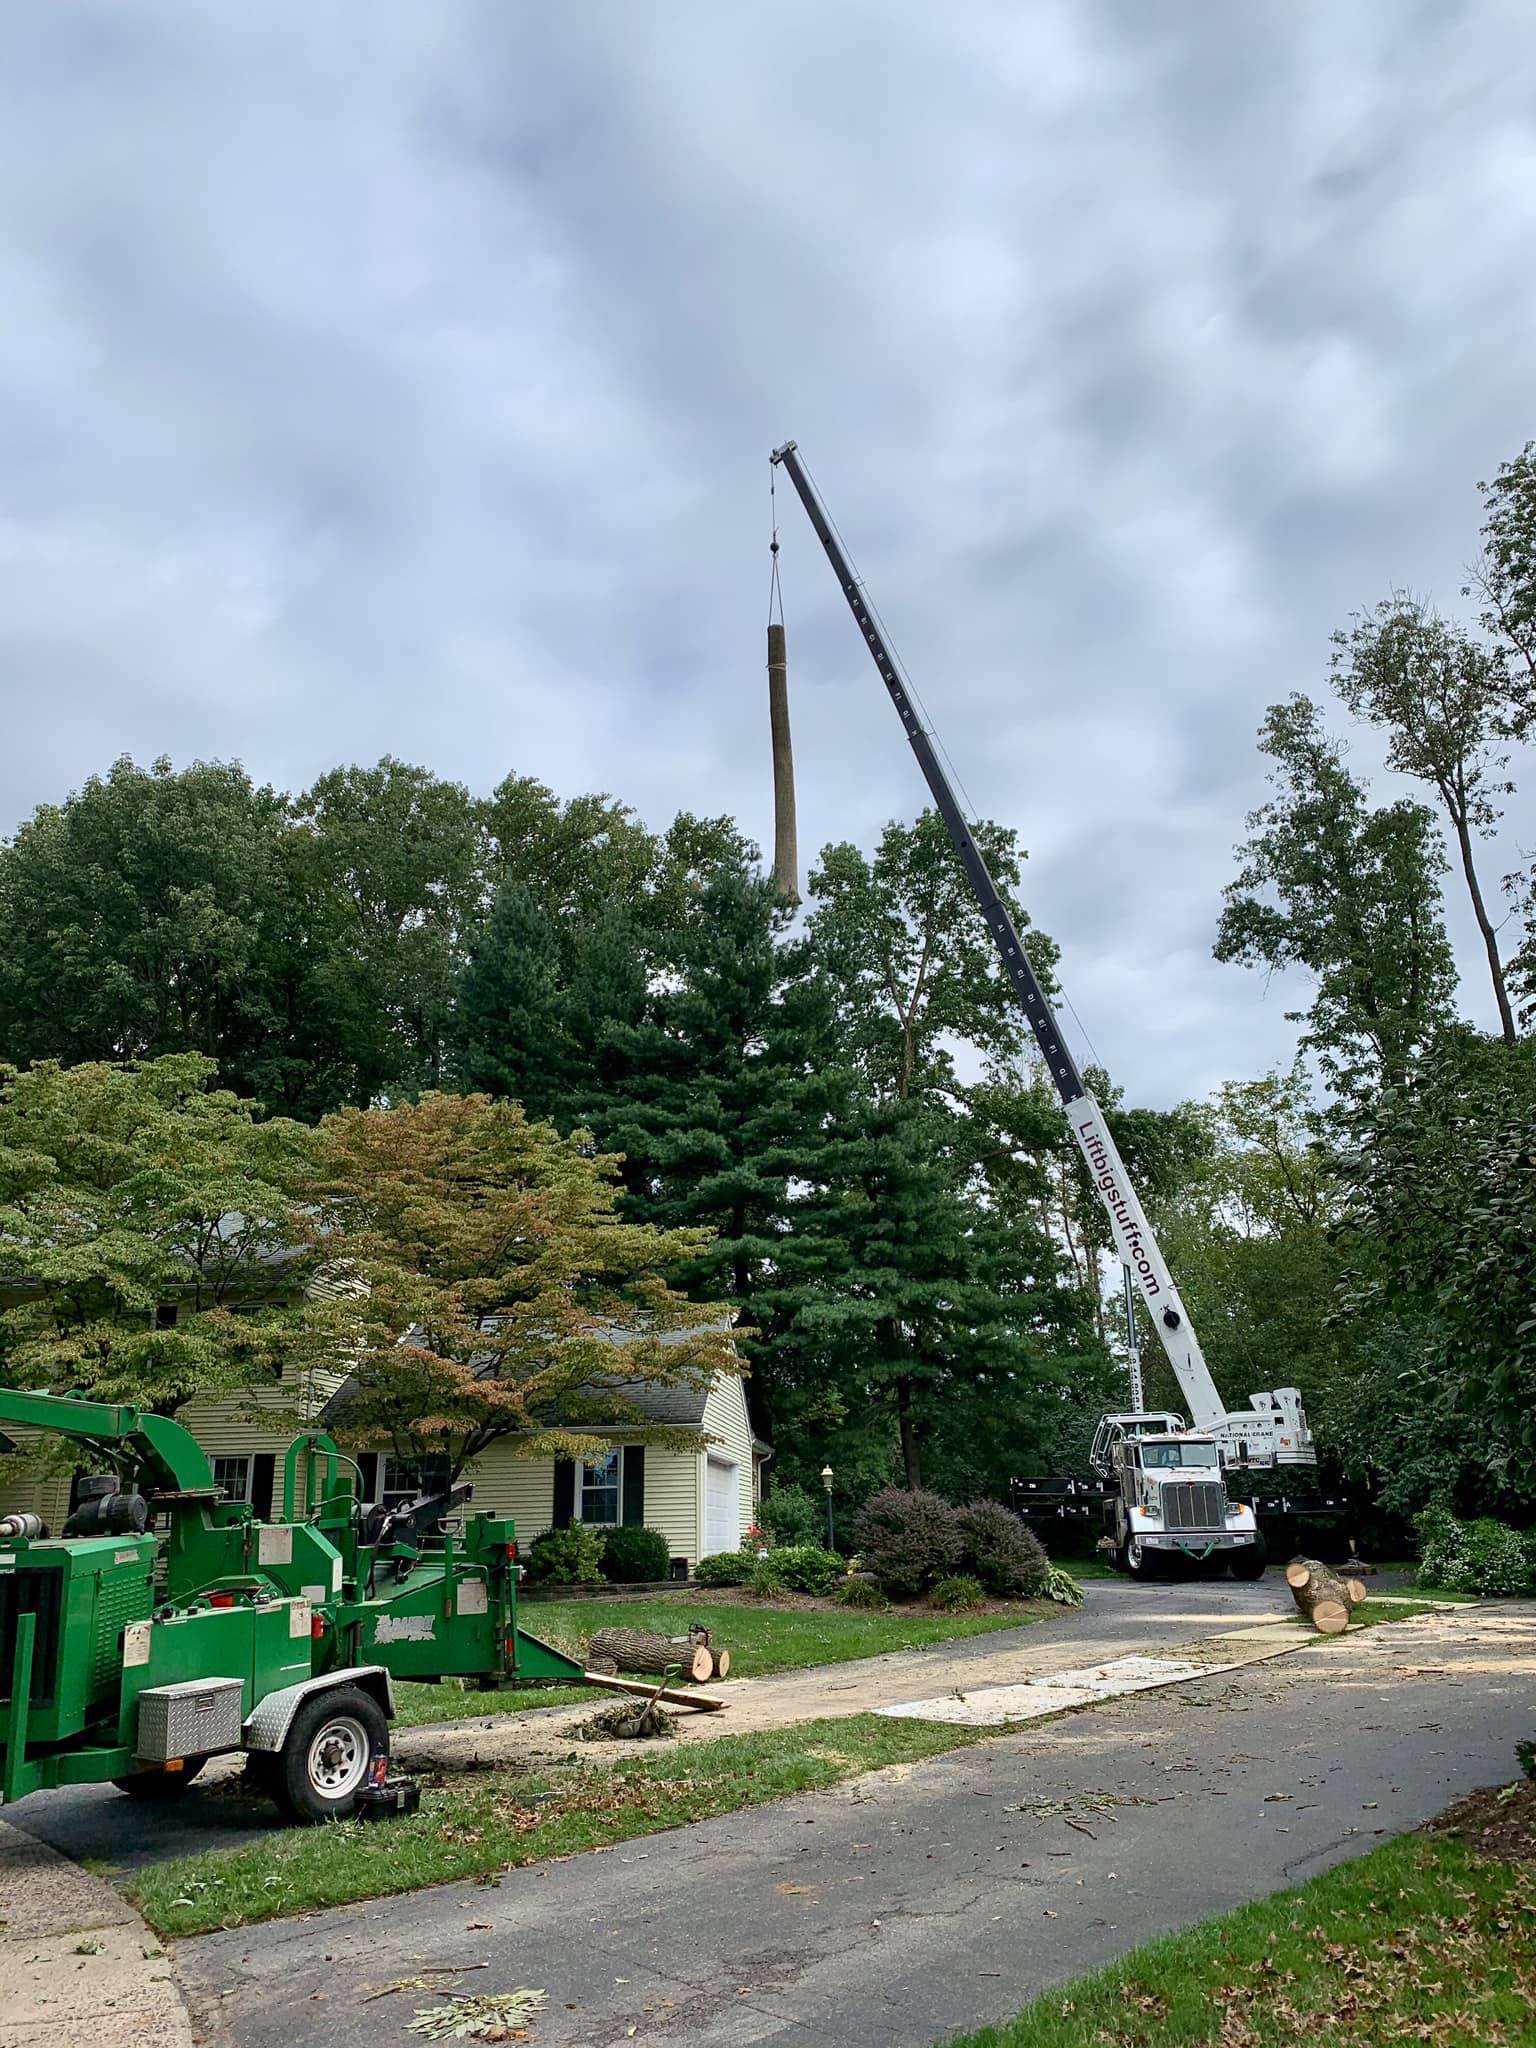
(1273, 1428)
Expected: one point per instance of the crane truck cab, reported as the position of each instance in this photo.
(1168, 1499)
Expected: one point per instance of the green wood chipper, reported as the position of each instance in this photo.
(167, 1626)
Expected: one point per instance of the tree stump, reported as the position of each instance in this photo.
(1322, 1596)
(639, 1649)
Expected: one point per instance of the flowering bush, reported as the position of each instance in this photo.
(1483, 1557)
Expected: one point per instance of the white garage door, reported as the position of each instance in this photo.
(722, 1508)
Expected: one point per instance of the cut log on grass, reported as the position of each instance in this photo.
(1321, 1595)
(639, 1649)
(702, 1702)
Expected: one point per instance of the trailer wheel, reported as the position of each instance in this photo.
(160, 1784)
(323, 1763)
(1249, 1561)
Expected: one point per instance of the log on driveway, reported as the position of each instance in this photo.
(1321, 1595)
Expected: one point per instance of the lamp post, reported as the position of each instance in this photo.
(826, 1480)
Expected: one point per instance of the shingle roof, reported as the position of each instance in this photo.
(680, 1407)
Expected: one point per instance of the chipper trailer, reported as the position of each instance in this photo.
(131, 1657)
(1164, 1491)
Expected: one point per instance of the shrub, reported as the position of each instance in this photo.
(1525, 1752)
(806, 1568)
(789, 1516)
(1482, 1557)
(632, 1556)
(958, 1596)
(999, 1550)
(565, 1557)
(767, 1581)
(1062, 1587)
(726, 1568)
(908, 1540)
(862, 1589)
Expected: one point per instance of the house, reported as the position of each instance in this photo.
(701, 1500)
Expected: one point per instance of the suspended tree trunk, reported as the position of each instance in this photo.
(786, 851)
(1322, 1596)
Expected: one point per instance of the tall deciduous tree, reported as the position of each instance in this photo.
(1349, 893)
(505, 1295)
(140, 1209)
(1249, 1234)
(1505, 576)
(906, 947)
(1444, 701)
(1439, 1235)
(154, 911)
(403, 855)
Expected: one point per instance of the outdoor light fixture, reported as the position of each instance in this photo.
(826, 1480)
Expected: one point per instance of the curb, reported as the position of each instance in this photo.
(78, 1967)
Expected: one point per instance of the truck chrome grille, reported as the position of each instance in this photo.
(1201, 1505)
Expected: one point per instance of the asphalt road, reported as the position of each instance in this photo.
(98, 1822)
(910, 1905)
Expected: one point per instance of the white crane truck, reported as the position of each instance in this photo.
(1166, 1491)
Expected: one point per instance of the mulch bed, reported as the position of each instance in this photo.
(1498, 1821)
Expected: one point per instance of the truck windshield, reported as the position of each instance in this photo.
(1160, 1457)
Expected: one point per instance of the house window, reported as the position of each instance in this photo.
(232, 1478)
(405, 1479)
(599, 1503)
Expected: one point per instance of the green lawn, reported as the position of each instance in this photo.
(476, 1826)
(760, 1638)
(1418, 1941)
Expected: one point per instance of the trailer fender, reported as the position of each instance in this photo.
(267, 1727)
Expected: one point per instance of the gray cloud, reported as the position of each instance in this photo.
(403, 378)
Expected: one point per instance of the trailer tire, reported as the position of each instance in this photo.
(1249, 1561)
(157, 1785)
(325, 1758)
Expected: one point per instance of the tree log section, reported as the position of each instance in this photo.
(638, 1649)
(1321, 1595)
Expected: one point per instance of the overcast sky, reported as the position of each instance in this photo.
(400, 377)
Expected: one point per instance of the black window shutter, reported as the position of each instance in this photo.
(368, 1480)
(632, 1510)
(263, 1474)
(565, 1492)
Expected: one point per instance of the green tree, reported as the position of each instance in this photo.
(1444, 701)
(506, 1299)
(150, 913)
(905, 946)
(1505, 576)
(1349, 893)
(155, 1236)
(930, 1285)
(401, 856)
(1439, 1238)
(1250, 1235)
(572, 858)
(541, 997)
